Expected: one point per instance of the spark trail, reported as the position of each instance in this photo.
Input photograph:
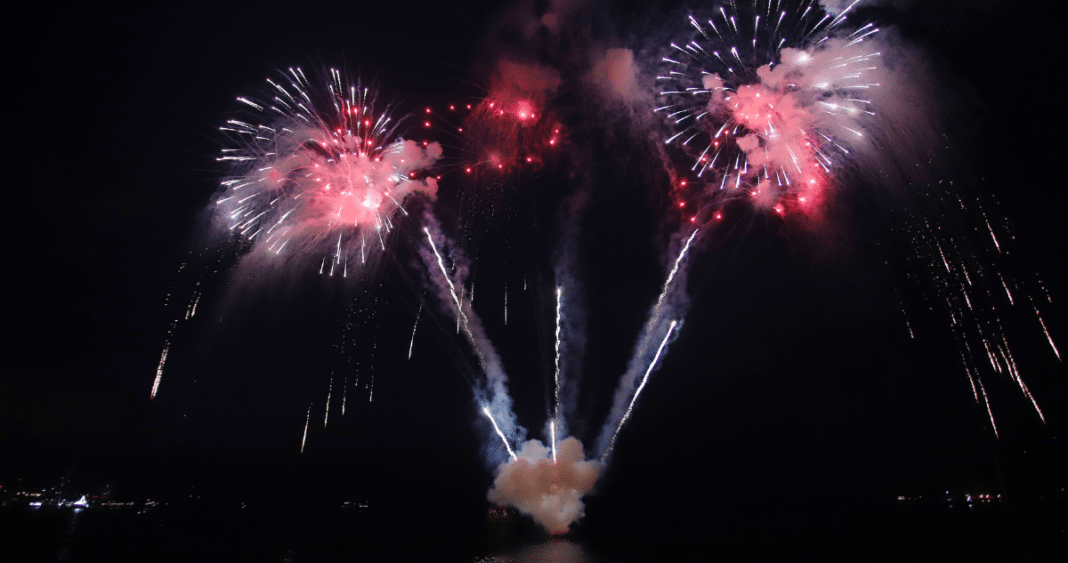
(672, 301)
(159, 370)
(411, 344)
(674, 271)
(307, 421)
(556, 371)
(489, 415)
(645, 378)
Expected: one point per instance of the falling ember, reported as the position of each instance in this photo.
(159, 370)
(306, 422)
(1045, 330)
(991, 229)
(1007, 293)
(971, 380)
(486, 411)
(988, 411)
(411, 344)
(326, 414)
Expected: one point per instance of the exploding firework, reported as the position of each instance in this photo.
(776, 104)
(766, 100)
(318, 170)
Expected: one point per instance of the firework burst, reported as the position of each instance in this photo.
(766, 99)
(319, 170)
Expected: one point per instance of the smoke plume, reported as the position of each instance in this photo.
(548, 491)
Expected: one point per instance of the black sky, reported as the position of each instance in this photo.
(793, 375)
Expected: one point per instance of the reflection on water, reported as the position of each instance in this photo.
(557, 550)
(63, 553)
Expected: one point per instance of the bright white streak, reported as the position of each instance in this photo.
(552, 435)
(448, 280)
(556, 400)
(988, 411)
(671, 276)
(641, 385)
(412, 344)
(163, 360)
(486, 411)
(329, 391)
(1046, 331)
(305, 438)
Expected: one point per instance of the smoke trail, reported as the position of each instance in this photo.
(672, 303)
(638, 391)
(492, 393)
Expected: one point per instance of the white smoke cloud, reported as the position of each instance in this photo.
(551, 493)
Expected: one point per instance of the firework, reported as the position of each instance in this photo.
(318, 169)
(767, 99)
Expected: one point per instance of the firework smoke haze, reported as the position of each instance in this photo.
(318, 173)
(550, 492)
(616, 73)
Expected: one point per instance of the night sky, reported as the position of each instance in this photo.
(793, 381)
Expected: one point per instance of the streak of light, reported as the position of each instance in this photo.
(1045, 330)
(329, 391)
(641, 386)
(556, 396)
(988, 411)
(674, 270)
(306, 422)
(552, 436)
(412, 343)
(159, 370)
(486, 411)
